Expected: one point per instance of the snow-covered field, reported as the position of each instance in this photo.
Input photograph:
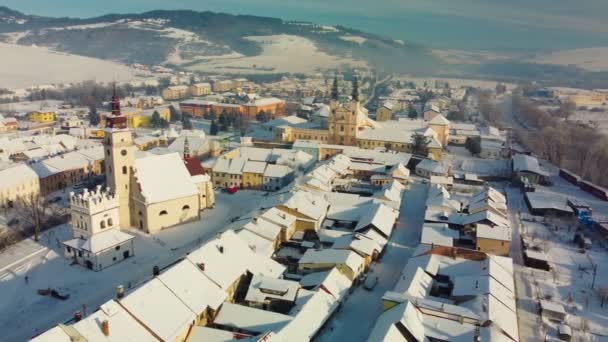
(354, 39)
(593, 59)
(27, 66)
(23, 313)
(281, 54)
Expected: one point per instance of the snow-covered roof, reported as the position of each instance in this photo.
(548, 200)
(439, 120)
(482, 216)
(101, 241)
(438, 234)
(16, 175)
(277, 171)
(257, 243)
(308, 204)
(190, 285)
(310, 316)
(206, 334)
(163, 178)
(250, 319)
(56, 334)
(122, 326)
(379, 216)
(432, 166)
(525, 163)
(484, 231)
(263, 228)
(386, 328)
(333, 256)
(262, 288)
(361, 244)
(159, 309)
(256, 167)
(226, 258)
(279, 217)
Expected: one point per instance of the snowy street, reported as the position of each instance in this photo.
(24, 313)
(357, 316)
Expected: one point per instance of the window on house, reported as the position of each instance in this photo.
(117, 248)
(124, 170)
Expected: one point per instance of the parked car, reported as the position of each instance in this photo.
(232, 189)
(370, 282)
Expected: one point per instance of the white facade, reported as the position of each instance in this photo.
(98, 242)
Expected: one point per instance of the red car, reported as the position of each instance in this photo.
(232, 189)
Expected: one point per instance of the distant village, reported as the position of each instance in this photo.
(313, 208)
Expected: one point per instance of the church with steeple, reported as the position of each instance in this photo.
(154, 191)
(348, 124)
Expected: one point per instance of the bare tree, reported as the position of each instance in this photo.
(34, 211)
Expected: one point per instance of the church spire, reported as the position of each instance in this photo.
(116, 120)
(334, 89)
(355, 94)
(186, 148)
(115, 104)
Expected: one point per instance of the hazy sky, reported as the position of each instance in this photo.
(390, 17)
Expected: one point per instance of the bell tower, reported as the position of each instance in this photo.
(119, 159)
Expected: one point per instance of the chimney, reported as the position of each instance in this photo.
(120, 292)
(105, 327)
(221, 248)
(201, 266)
(77, 316)
(255, 220)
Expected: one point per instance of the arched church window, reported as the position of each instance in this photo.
(102, 224)
(163, 212)
(124, 170)
(186, 207)
(110, 222)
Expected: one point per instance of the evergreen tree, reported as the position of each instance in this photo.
(335, 92)
(262, 116)
(155, 120)
(214, 129)
(412, 113)
(223, 119)
(473, 145)
(355, 93)
(94, 118)
(186, 123)
(175, 114)
(420, 146)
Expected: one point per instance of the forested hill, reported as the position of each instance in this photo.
(151, 37)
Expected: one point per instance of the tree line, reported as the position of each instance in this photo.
(578, 148)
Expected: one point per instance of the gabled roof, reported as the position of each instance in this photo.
(163, 177)
(333, 256)
(257, 243)
(263, 228)
(439, 120)
(190, 285)
(262, 288)
(438, 234)
(159, 309)
(250, 319)
(226, 258)
(525, 163)
(361, 244)
(308, 204)
(381, 217)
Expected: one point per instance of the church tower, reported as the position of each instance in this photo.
(119, 159)
(344, 118)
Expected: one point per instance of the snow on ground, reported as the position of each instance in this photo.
(354, 39)
(569, 282)
(593, 59)
(26, 66)
(357, 316)
(23, 313)
(281, 53)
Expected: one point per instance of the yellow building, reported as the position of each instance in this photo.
(200, 89)
(385, 113)
(253, 174)
(176, 92)
(348, 262)
(143, 118)
(493, 240)
(42, 117)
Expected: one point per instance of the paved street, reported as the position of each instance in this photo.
(364, 306)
